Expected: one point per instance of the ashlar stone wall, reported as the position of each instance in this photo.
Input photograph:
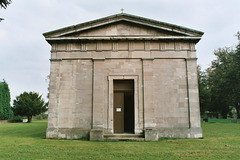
(159, 57)
(79, 87)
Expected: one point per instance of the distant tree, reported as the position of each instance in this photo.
(48, 80)
(233, 78)
(4, 3)
(29, 104)
(5, 107)
(219, 83)
(204, 91)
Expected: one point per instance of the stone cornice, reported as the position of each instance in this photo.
(108, 58)
(124, 38)
(123, 17)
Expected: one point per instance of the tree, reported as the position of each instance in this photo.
(5, 107)
(233, 76)
(204, 92)
(219, 85)
(218, 81)
(29, 104)
(4, 3)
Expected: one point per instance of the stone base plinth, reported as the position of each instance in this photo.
(67, 133)
(151, 135)
(180, 132)
(96, 135)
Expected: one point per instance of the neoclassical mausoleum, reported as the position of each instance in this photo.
(123, 77)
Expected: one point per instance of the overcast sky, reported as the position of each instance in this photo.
(24, 53)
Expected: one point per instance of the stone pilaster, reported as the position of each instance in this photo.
(52, 130)
(148, 90)
(98, 94)
(193, 93)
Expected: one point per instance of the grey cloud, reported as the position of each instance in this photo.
(24, 54)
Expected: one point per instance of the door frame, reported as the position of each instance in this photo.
(110, 117)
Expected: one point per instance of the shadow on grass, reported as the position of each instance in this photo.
(167, 138)
(63, 139)
(175, 139)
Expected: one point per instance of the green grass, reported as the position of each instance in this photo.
(27, 141)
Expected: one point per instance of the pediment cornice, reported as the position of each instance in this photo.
(178, 32)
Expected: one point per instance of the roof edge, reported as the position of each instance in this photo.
(126, 16)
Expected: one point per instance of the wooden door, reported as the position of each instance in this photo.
(118, 112)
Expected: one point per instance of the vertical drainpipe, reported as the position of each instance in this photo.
(189, 120)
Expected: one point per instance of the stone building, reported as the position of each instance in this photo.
(121, 77)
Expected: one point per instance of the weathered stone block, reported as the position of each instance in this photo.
(52, 133)
(195, 132)
(96, 135)
(151, 135)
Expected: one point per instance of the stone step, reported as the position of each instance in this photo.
(124, 137)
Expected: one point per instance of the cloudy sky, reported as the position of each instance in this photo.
(24, 53)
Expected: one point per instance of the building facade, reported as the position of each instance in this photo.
(123, 74)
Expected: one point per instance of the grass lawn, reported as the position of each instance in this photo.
(27, 141)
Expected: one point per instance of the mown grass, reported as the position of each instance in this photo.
(27, 141)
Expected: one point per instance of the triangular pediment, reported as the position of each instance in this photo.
(123, 26)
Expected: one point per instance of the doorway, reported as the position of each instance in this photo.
(123, 110)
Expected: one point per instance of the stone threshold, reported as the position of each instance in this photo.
(124, 137)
